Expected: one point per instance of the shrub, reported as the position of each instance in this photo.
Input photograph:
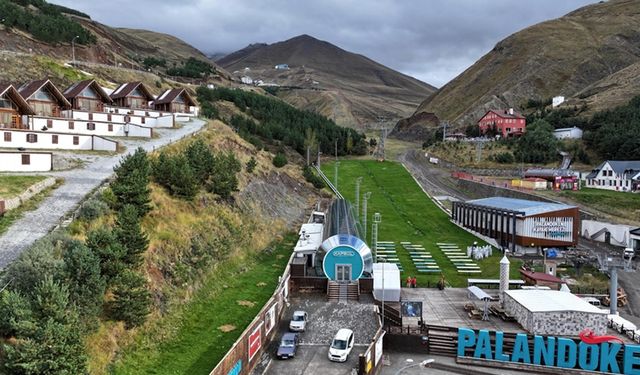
(504, 158)
(251, 165)
(279, 160)
(92, 209)
(312, 178)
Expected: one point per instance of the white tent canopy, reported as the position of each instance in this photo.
(390, 289)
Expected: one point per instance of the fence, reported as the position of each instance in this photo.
(370, 362)
(245, 353)
(15, 202)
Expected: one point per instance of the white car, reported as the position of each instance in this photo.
(341, 345)
(298, 321)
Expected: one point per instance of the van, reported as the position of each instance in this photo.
(341, 345)
(593, 301)
(629, 253)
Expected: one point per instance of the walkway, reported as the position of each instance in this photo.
(77, 184)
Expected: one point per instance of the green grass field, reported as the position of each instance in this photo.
(409, 215)
(198, 344)
(614, 203)
(10, 186)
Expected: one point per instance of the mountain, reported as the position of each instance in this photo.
(41, 48)
(591, 56)
(347, 87)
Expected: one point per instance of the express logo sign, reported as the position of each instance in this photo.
(593, 353)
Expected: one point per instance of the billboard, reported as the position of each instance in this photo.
(255, 341)
(270, 319)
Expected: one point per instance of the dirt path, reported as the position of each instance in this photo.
(77, 184)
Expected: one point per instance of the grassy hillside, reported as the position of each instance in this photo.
(558, 57)
(409, 215)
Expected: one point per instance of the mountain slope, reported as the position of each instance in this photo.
(589, 47)
(349, 88)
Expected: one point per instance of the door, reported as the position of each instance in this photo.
(343, 272)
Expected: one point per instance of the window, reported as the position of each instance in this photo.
(7, 137)
(26, 159)
(90, 116)
(91, 126)
(89, 93)
(42, 94)
(71, 125)
(76, 140)
(110, 127)
(32, 138)
(144, 119)
(109, 117)
(54, 139)
(49, 124)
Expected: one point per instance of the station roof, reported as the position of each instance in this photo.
(310, 237)
(529, 208)
(539, 300)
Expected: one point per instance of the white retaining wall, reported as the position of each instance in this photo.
(163, 121)
(100, 128)
(65, 141)
(11, 161)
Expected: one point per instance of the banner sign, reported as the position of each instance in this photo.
(553, 351)
(236, 369)
(412, 309)
(255, 342)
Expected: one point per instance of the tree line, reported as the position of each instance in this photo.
(281, 122)
(48, 24)
(55, 293)
(192, 68)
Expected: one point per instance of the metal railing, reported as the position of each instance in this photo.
(329, 183)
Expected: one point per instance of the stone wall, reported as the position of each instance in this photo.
(559, 323)
(15, 202)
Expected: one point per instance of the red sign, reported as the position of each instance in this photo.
(255, 342)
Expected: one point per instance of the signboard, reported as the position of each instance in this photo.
(285, 289)
(560, 352)
(236, 369)
(555, 228)
(412, 309)
(270, 319)
(255, 342)
(378, 350)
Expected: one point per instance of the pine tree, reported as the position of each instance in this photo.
(16, 317)
(85, 282)
(129, 234)
(131, 299)
(224, 180)
(111, 253)
(201, 160)
(130, 185)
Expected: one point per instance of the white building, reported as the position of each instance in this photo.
(16, 161)
(92, 127)
(29, 139)
(246, 80)
(568, 133)
(556, 101)
(619, 175)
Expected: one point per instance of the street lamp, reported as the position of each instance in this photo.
(73, 49)
(423, 364)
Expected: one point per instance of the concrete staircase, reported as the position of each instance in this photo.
(343, 292)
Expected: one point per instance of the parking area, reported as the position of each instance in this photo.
(324, 320)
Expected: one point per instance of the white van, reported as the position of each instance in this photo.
(593, 301)
(341, 345)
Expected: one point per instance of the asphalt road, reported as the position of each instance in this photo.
(77, 184)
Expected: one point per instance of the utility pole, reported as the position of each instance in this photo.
(377, 218)
(444, 130)
(318, 163)
(308, 155)
(365, 199)
(358, 181)
(335, 174)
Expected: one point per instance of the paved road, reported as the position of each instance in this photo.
(77, 184)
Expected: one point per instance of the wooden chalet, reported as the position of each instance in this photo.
(44, 98)
(87, 96)
(174, 100)
(13, 108)
(134, 95)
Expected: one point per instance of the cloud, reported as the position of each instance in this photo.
(431, 40)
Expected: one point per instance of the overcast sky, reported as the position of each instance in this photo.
(432, 40)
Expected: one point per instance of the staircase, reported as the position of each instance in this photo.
(343, 292)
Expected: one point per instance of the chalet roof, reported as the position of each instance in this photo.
(78, 87)
(621, 167)
(28, 89)
(541, 276)
(504, 113)
(170, 95)
(13, 94)
(126, 88)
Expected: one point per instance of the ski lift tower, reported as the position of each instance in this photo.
(611, 262)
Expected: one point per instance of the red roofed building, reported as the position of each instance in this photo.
(541, 279)
(506, 122)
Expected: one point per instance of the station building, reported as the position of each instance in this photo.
(520, 225)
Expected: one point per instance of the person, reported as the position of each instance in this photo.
(408, 281)
(413, 282)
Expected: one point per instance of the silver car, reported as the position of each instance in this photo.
(298, 321)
